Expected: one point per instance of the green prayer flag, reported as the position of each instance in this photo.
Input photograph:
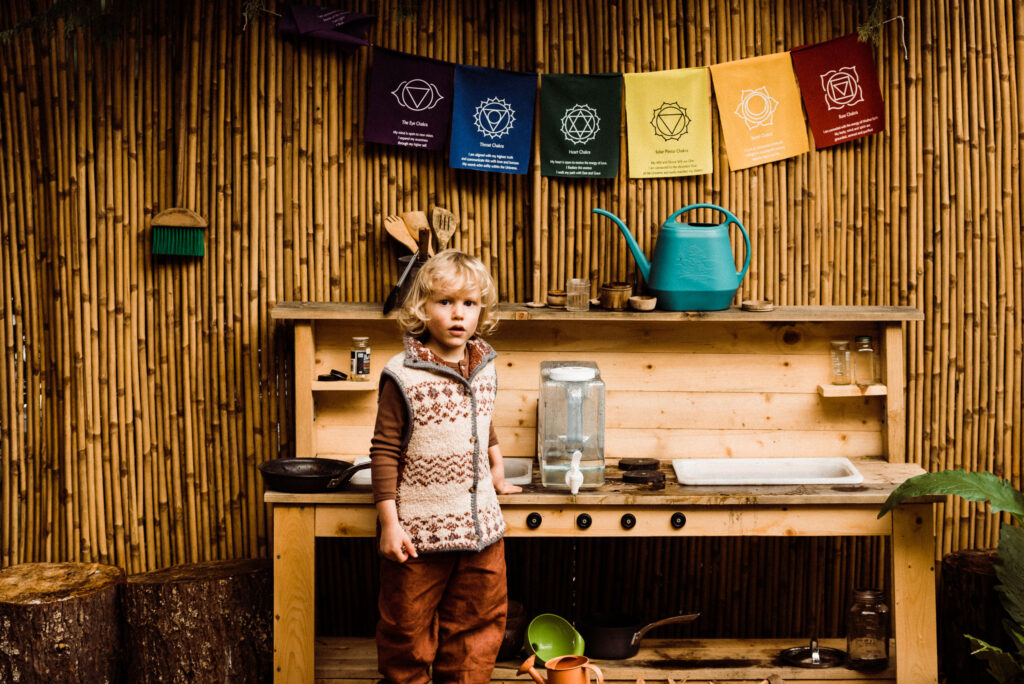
(579, 125)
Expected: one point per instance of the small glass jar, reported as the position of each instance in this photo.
(359, 356)
(839, 357)
(867, 631)
(577, 291)
(866, 367)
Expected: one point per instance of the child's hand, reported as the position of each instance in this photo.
(503, 486)
(395, 544)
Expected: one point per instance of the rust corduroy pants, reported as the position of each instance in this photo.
(445, 608)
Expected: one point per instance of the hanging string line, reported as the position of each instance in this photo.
(903, 32)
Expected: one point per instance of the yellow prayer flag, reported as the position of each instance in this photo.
(668, 123)
(759, 105)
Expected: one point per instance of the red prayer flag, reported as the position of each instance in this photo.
(839, 86)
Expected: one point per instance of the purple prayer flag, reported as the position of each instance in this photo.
(339, 26)
(410, 100)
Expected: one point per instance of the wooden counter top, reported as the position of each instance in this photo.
(880, 478)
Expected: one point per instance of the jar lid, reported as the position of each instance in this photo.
(867, 594)
(360, 339)
(862, 338)
(573, 374)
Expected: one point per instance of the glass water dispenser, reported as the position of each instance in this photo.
(570, 425)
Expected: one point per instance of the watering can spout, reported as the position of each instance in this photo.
(528, 668)
(641, 261)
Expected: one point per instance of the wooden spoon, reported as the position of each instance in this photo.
(445, 223)
(417, 222)
(396, 229)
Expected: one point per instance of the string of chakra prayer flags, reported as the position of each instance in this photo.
(486, 115)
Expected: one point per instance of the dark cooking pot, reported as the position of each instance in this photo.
(615, 636)
(307, 475)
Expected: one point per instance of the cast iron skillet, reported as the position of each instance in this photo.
(616, 636)
(307, 475)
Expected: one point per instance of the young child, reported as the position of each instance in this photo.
(442, 577)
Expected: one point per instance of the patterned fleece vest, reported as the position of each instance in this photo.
(445, 497)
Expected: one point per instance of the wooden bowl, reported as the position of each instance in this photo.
(556, 299)
(643, 303)
(615, 296)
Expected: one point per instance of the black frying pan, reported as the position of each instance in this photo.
(307, 475)
(616, 636)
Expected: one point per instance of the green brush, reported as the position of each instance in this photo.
(178, 232)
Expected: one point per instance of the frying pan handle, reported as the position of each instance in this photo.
(667, 621)
(336, 482)
(597, 671)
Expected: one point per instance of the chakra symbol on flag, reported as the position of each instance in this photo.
(417, 95)
(580, 124)
(494, 117)
(670, 121)
(757, 107)
(842, 87)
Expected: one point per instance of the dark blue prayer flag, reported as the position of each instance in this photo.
(492, 120)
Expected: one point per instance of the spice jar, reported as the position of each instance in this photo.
(865, 362)
(360, 359)
(867, 631)
(840, 362)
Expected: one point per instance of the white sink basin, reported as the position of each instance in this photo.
(765, 471)
(519, 471)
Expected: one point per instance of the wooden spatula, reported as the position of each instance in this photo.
(396, 229)
(417, 221)
(445, 223)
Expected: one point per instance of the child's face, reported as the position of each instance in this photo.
(452, 320)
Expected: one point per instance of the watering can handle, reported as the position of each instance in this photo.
(730, 219)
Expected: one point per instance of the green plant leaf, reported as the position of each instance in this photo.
(1016, 633)
(976, 486)
(1001, 665)
(1010, 571)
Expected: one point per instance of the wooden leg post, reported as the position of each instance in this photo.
(913, 580)
(294, 570)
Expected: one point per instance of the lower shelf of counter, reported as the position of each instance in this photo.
(344, 660)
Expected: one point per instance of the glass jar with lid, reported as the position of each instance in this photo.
(866, 366)
(359, 356)
(867, 630)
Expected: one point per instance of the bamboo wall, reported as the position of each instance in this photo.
(138, 396)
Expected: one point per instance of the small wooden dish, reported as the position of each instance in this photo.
(757, 305)
(556, 299)
(643, 302)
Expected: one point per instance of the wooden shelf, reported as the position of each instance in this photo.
(343, 386)
(520, 312)
(852, 391)
(348, 660)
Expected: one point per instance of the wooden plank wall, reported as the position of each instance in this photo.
(137, 397)
(673, 390)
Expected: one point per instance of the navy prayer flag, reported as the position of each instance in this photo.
(492, 120)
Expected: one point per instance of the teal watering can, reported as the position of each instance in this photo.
(692, 268)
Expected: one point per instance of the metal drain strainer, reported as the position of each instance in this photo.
(813, 656)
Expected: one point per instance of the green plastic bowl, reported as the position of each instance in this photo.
(550, 636)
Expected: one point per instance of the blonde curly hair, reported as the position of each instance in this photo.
(448, 271)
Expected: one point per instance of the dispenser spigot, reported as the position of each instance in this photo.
(574, 478)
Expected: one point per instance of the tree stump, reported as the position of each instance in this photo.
(201, 622)
(968, 604)
(59, 622)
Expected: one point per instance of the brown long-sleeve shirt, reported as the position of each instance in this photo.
(389, 434)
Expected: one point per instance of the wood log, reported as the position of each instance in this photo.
(968, 604)
(200, 622)
(59, 623)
